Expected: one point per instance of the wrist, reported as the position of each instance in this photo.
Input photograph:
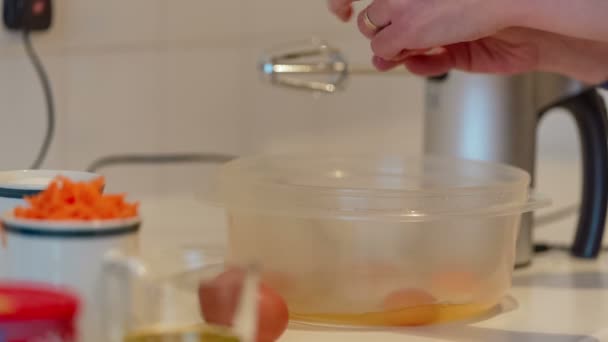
(562, 55)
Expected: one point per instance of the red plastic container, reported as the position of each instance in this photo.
(31, 312)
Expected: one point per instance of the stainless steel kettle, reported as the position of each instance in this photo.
(495, 118)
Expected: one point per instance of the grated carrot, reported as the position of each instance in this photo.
(65, 199)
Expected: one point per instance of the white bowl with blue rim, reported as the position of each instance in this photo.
(64, 253)
(16, 184)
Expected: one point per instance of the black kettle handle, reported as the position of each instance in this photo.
(589, 111)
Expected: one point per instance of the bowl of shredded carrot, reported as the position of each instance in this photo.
(75, 208)
(69, 208)
(74, 204)
(78, 207)
(67, 200)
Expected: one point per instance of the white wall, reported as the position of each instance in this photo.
(180, 75)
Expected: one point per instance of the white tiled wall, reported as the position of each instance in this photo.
(180, 76)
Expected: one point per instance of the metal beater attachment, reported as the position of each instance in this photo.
(311, 65)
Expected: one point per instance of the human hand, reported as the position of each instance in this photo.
(513, 51)
(476, 35)
(423, 24)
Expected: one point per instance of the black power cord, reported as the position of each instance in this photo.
(48, 96)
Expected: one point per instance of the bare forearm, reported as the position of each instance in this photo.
(585, 60)
(586, 19)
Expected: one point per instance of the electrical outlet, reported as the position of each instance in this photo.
(33, 15)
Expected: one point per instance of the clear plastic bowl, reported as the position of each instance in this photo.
(372, 240)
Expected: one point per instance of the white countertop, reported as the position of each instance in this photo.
(557, 299)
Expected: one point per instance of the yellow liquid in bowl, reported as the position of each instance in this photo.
(411, 316)
(181, 334)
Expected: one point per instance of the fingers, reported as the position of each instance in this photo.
(374, 18)
(388, 43)
(343, 9)
(429, 65)
(440, 61)
(421, 65)
(384, 65)
(406, 56)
